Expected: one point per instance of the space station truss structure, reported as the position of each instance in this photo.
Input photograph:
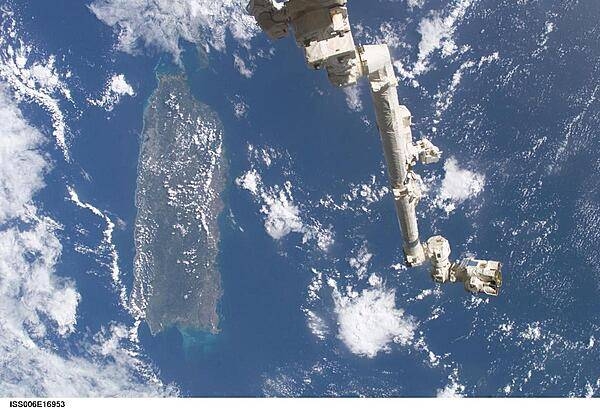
(322, 29)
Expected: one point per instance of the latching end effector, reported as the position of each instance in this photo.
(478, 276)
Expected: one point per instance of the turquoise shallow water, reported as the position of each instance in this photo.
(197, 342)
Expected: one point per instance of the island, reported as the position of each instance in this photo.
(181, 175)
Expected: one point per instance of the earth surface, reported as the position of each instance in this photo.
(187, 210)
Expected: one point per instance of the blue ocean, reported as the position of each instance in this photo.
(524, 114)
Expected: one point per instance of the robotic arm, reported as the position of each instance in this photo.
(322, 29)
(271, 18)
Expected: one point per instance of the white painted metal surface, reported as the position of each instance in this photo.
(322, 29)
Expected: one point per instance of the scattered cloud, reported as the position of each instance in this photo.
(360, 197)
(21, 167)
(116, 88)
(458, 186)
(242, 66)
(282, 216)
(353, 98)
(369, 322)
(411, 3)
(240, 107)
(360, 262)
(107, 249)
(415, 3)
(533, 332)
(33, 76)
(316, 324)
(161, 24)
(437, 32)
(389, 32)
(454, 389)
(445, 96)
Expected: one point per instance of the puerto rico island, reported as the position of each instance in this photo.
(181, 174)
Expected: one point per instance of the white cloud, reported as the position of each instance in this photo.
(548, 29)
(369, 322)
(21, 167)
(315, 285)
(282, 215)
(250, 181)
(107, 248)
(415, 3)
(412, 3)
(454, 389)
(437, 32)
(388, 32)
(240, 107)
(353, 98)
(106, 369)
(458, 185)
(33, 77)
(39, 308)
(161, 24)
(361, 261)
(360, 197)
(316, 324)
(533, 332)
(242, 67)
(31, 294)
(323, 236)
(116, 88)
(433, 30)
